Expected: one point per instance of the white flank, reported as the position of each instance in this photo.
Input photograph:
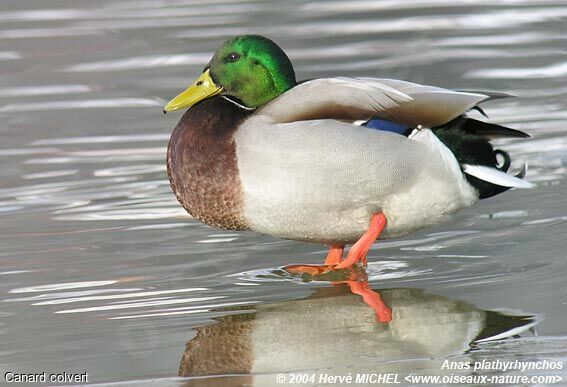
(326, 187)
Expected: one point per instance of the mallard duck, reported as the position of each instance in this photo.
(328, 160)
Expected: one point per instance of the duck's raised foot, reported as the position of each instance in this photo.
(360, 249)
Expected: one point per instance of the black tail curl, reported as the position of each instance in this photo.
(469, 140)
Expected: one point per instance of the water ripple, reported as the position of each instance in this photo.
(131, 138)
(9, 55)
(118, 103)
(142, 62)
(552, 71)
(61, 286)
(116, 296)
(365, 6)
(9, 92)
(96, 252)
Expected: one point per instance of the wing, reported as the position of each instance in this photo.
(333, 98)
(397, 104)
(431, 106)
(362, 98)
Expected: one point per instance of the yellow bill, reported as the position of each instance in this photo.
(203, 88)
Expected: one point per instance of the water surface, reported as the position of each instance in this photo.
(101, 271)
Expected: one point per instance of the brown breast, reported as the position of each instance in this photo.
(202, 166)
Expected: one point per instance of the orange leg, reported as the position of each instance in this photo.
(362, 246)
(372, 299)
(335, 254)
(357, 253)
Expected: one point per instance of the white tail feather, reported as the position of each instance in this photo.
(495, 176)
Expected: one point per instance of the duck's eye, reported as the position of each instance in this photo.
(233, 57)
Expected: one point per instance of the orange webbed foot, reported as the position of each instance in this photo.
(313, 270)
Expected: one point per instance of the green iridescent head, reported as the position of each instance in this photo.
(251, 69)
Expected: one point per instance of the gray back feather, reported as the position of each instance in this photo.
(352, 99)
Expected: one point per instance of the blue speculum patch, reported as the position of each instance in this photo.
(385, 125)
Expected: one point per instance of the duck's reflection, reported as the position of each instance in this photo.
(337, 330)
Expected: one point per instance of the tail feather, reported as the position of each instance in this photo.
(480, 128)
(492, 94)
(495, 176)
(469, 140)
